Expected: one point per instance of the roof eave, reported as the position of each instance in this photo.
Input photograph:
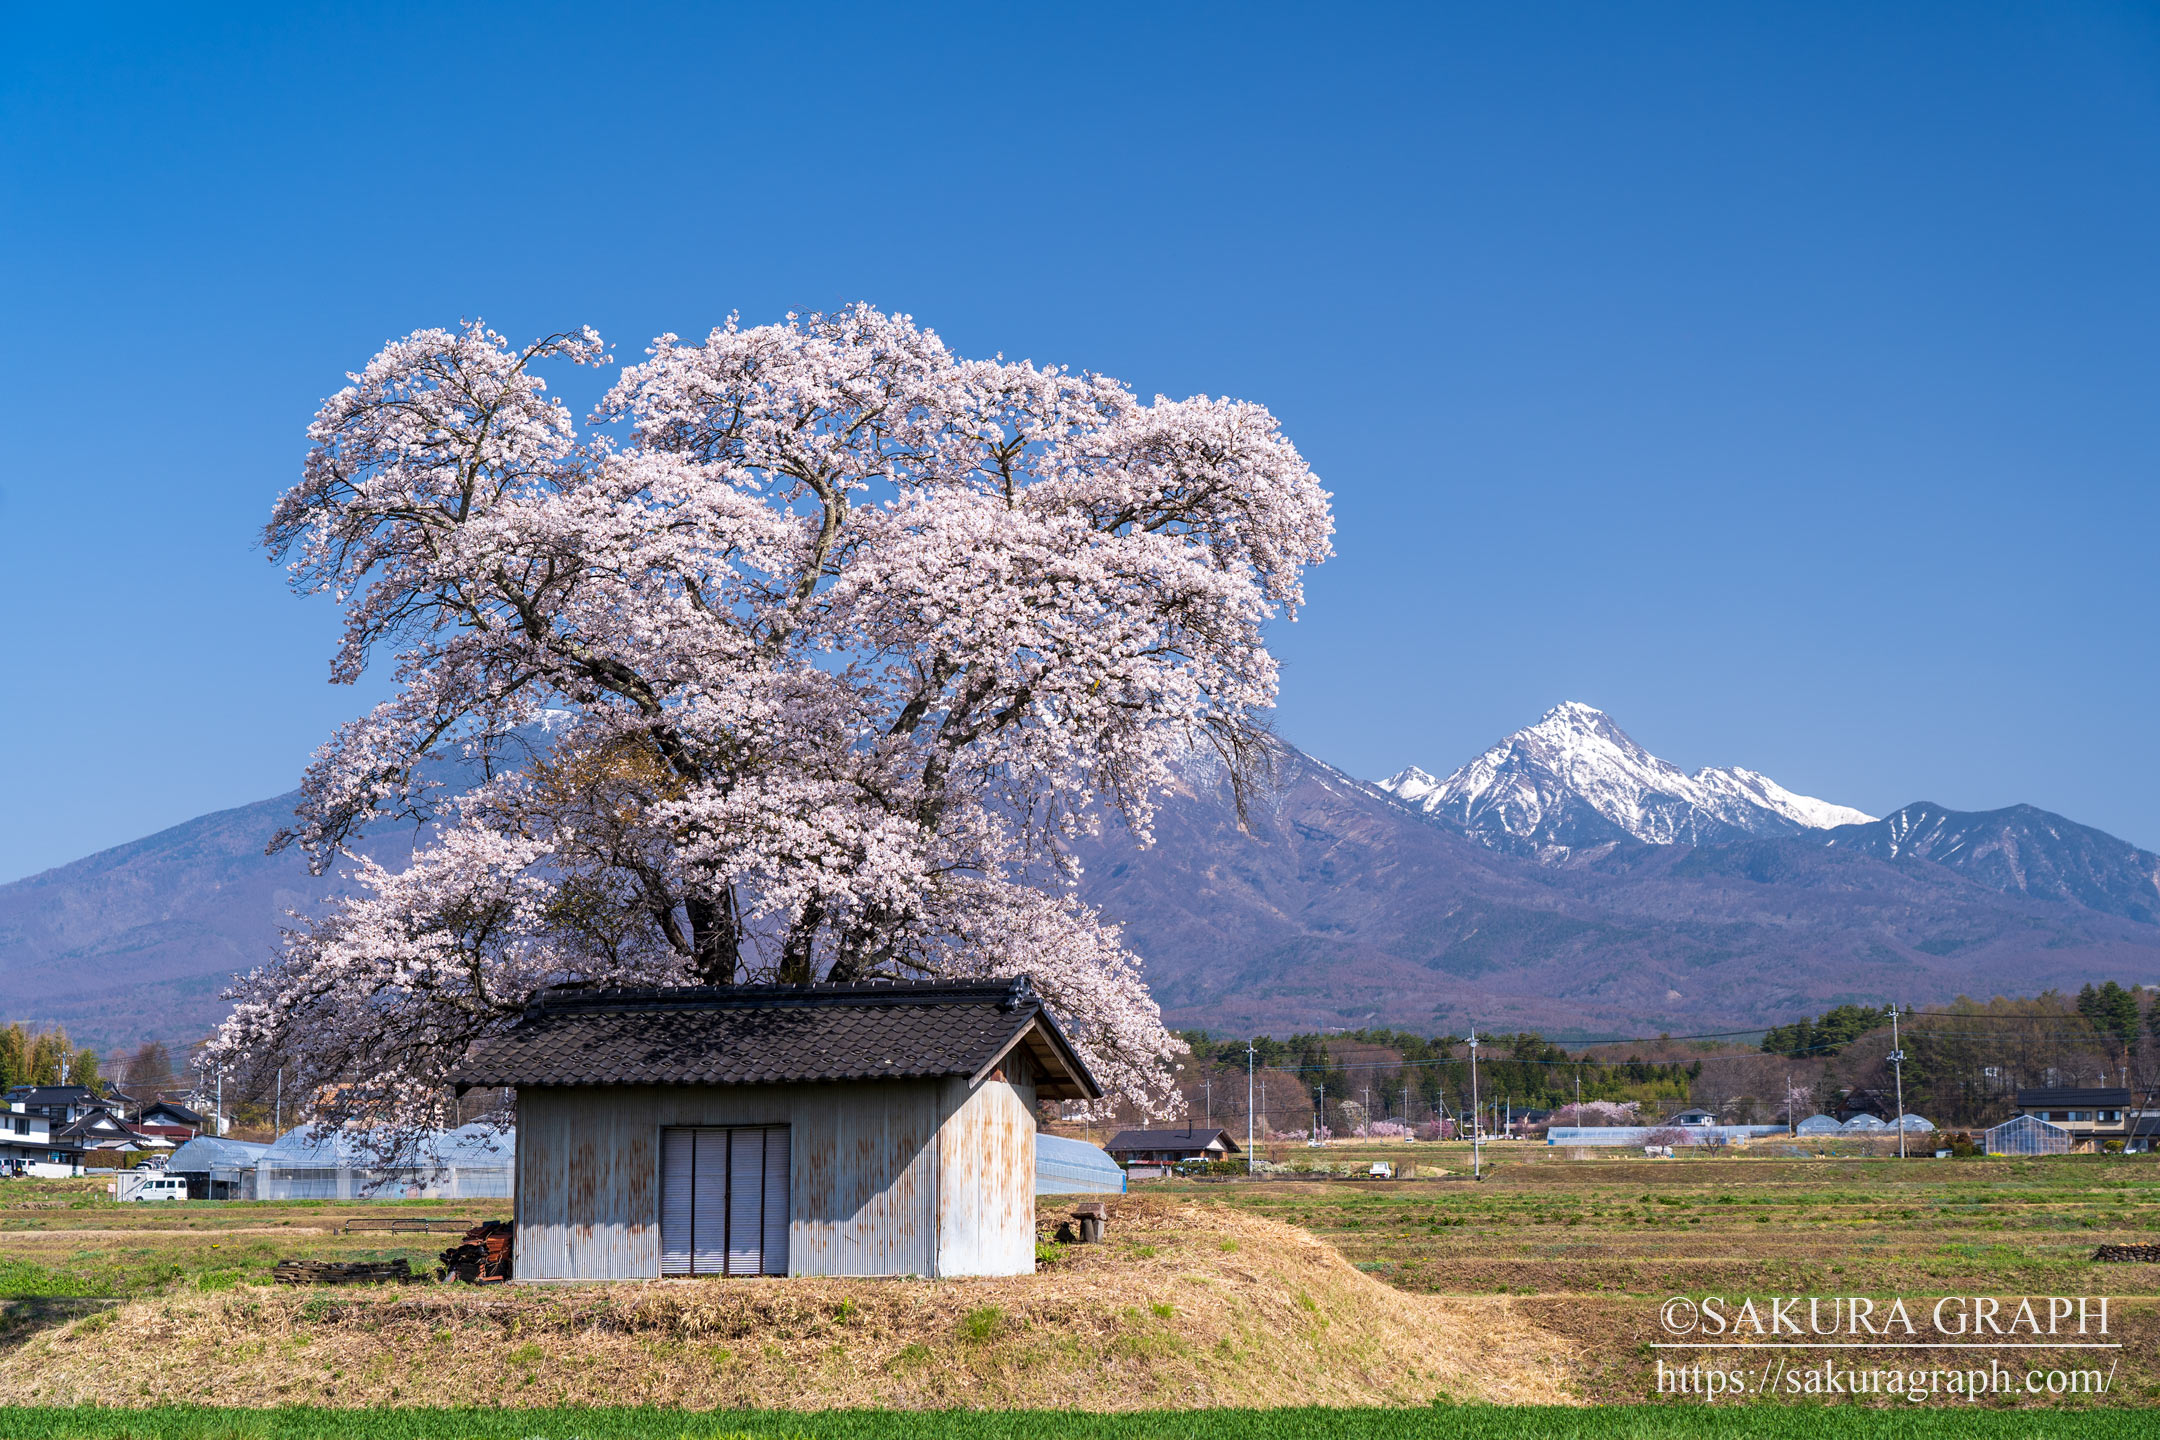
(1078, 1082)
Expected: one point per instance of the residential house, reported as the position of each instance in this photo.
(168, 1115)
(1170, 1147)
(61, 1104)
(2092, 1116)
(100, 1129)
(28, 1146)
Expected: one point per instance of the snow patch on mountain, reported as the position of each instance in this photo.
(1576, 779)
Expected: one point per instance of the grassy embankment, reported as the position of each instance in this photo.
(1188, 1305)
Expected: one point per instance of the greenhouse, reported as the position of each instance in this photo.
(217, 1169)
(1862, 1123)
(1074, 1167)
(472, 1162)
(2027, 1135)
(1818, 1125)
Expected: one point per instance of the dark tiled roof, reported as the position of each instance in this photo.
(2095, 1099)
(772, 1034)
(51, 1094)
(1187, 1139)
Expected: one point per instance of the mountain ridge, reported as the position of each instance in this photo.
(1335, 902)
(1575, 779)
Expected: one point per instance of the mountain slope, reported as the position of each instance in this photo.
(1576, 780)
(2021, 850)
(1341, 906)
(136, 942)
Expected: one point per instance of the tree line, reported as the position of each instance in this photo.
(44, 1057)
(1384, 1074)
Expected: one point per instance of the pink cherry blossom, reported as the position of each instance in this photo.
(807, 660)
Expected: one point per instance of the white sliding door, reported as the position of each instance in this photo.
(724, 1200)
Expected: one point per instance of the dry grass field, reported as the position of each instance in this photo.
(1188, 1304)
(1538, 1285)
(1590, 1248)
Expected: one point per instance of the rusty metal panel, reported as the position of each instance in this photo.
(986, 1180)
(862, 1171)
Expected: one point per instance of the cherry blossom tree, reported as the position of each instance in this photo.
(805, 660)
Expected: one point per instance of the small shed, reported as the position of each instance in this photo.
(2028, 1135)
(876, 1129)
(1074, 1167)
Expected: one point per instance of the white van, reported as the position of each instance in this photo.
(141, 1185)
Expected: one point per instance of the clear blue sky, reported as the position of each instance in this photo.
(1780, 379)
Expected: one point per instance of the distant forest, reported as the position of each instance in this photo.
(1964, 1063)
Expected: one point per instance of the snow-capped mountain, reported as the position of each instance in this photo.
(2020, 849)
(1575, 780)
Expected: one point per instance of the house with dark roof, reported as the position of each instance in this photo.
(2090, 1115)
(28, 1146)
(1169, 1147)
(100, 1129)
(167, 1117)
(877, 1129)
(61, 1104)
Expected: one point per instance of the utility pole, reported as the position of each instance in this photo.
(1319, 1115)
(277, 1122)
(1208, 1089)
(1897, 1068)
(1248, 1107)
(1476, 1170)
(221, 1102)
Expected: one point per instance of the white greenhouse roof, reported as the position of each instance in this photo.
(208, 1152)
(1074, 1167)
(304, 1147)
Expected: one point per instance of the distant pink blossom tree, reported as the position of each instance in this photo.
(808, 666)
(1599, 1112)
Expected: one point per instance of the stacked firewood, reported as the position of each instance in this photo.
(340, 1272)
(2128, 1252)
(482, 1256)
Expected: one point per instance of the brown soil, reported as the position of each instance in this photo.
(1187, 1304)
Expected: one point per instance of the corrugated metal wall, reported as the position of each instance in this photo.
(867, 1196)
(986, 1198)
